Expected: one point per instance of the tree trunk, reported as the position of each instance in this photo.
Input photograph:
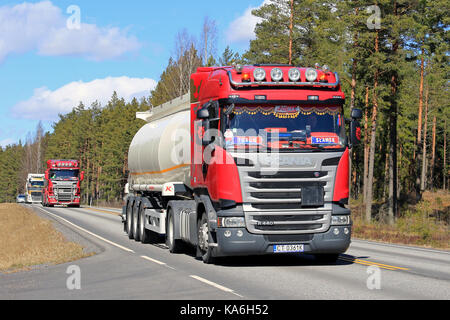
(291, 27)
(372, 141)
(424, 149)
(366, 144)
(433, 153)
(419, 124)
(392, 193)
(444, 186)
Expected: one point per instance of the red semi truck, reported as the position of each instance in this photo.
(255, 160)
(62, 183)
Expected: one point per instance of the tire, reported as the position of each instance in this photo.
(327, 258)
(135, 224)
(175, 245)
(204, 251)
(129, 220)
(147, 236)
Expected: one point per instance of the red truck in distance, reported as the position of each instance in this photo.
(62, 183)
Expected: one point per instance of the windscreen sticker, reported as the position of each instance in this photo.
(244, 140)
(324, 140)
(287, 109)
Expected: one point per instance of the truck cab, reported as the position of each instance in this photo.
(62, 183)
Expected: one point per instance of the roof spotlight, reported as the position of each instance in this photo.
(294, 74)
(311, 75)
(259, 74)
(276, 74)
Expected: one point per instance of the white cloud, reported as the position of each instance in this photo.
(6, 142)
(42, 27)
(242, 29)
(46, 104)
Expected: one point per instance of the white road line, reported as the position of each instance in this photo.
(215, 285)
(158, 262)
(88, 232)
(154, 260)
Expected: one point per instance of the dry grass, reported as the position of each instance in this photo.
(28, 240)
(424, 224)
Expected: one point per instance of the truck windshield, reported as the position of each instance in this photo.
(285, 127)
(64, 174)
(37, 184)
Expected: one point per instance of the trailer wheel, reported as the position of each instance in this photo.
(147, 236)
(203, 249)
(136, 230)
(175, 245)
(129, 219)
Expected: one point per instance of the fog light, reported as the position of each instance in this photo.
(227, 233)
(240, 234)
(340, 220)
(346, 231)
(336, 231)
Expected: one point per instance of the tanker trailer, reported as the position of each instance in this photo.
(255, 160)
(159, 169)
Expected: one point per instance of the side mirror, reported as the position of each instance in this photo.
(355, 132)
(203, 114)
(81, 176)
(357, 114)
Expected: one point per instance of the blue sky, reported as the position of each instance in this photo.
(46, 67)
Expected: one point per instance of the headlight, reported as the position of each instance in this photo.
(276, 74)
(340, 220)
(259, 74)
(311, 75)
(231, 222)
(294, 74)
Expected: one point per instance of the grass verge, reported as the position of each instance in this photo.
(28, 240)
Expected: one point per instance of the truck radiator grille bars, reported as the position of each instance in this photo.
(292, 200)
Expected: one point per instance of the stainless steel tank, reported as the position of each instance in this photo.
(161, 151)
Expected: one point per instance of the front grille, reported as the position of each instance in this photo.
(294, 199)
(296, 227)
(288, 218)
(64, 194)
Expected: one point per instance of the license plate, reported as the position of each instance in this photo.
(285, 248)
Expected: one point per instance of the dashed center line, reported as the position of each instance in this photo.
(215, 285)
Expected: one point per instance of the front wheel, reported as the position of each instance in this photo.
(203, 249)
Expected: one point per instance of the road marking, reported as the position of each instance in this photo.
(153, 260)
(215, 285)
(370, 263)
(103, 211)
(88, 232)
(158, 262)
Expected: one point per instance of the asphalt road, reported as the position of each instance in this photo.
(125, 269)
